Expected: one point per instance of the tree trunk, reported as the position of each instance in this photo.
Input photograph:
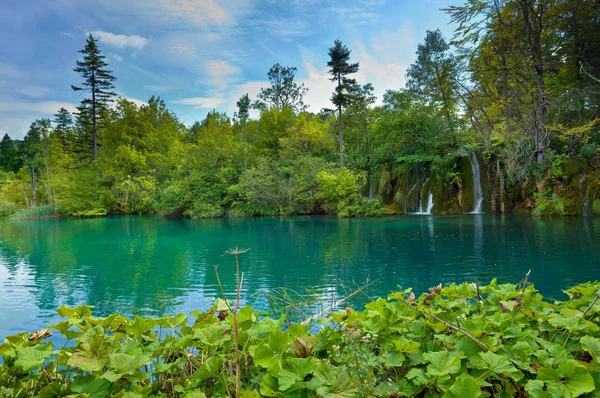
(33, 193)
(93, 117)
(25, 194)
(245, 148)
(533, 21)
(341, 139)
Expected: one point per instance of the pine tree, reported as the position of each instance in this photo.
(63, 127)
(243, 114)
(98, 80)
(10, 159)
(339, 68)
(31, 148)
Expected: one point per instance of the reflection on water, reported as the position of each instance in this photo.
(150, 266)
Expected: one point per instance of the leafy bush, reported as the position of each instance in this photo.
(548, 203)
(35, 213)
(362, 207)
(336, 188)
(456, 341)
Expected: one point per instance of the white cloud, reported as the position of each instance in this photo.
(43, 107)
(202, 102)
(319, 88)
(115, 57)
(220, 74)
(136, 101)
(11, 72)
(134, 42)
(201, 12)
(33, 91)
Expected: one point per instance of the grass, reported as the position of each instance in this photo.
(35, 213)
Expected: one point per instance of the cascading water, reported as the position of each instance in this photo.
(586, 202)
(477, 191)
(429, 207)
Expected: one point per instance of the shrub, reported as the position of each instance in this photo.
(456, 341)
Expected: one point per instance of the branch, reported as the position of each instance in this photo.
(591, 306)
(582, 70)
(457, 329)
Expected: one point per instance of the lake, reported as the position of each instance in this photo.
(151, 266)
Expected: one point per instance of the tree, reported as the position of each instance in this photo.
(31, 149)
(63, 123)
(9, 155)
(359, 120)
(284, 91)
(98, 80)
(339, 68)
(243, 115)
(434, 75)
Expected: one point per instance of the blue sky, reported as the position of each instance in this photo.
(200, 54)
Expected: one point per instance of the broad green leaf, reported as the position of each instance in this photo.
(394, 359)
(265, 357)
(417, 375)
(591, 345)
(465, 386)
(278, 341)
(213, 335)
(535, 388)
(269, 387)
(490, 361)
(30, 358)
(209, 369)
(572, 379)
(86, 363)
(443, 363)
(127, 364)
(95, 388)
(195, 394)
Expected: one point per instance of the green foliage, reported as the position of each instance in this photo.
(456, 341)
(548, 203)
(35, 213)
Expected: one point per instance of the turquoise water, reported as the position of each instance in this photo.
(152, 266)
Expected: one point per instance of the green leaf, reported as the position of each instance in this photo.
(127, 364)
(495, 363)
(591, 345)
(535, 388)
(86, 363)
(278, 340)
(269, 387)
(52, 390)
(465, 386)
(417, 375)
(572, 379)
(265, 357)
(30, 358)
(394, 359)
(212, 335)
(96, 388)
(443, 363)
(209, 369)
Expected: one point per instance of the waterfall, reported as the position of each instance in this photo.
(586, 198)
(586, 202)
(408, 194)
(419, 201)
(477, 191)
(429, 201)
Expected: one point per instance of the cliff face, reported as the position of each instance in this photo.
(420, 190)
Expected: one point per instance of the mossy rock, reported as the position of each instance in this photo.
(393, 209)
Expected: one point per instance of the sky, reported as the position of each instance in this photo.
(200, 55)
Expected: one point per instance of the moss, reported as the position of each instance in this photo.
(393, 209)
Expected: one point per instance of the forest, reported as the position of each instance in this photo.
(502, 117)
